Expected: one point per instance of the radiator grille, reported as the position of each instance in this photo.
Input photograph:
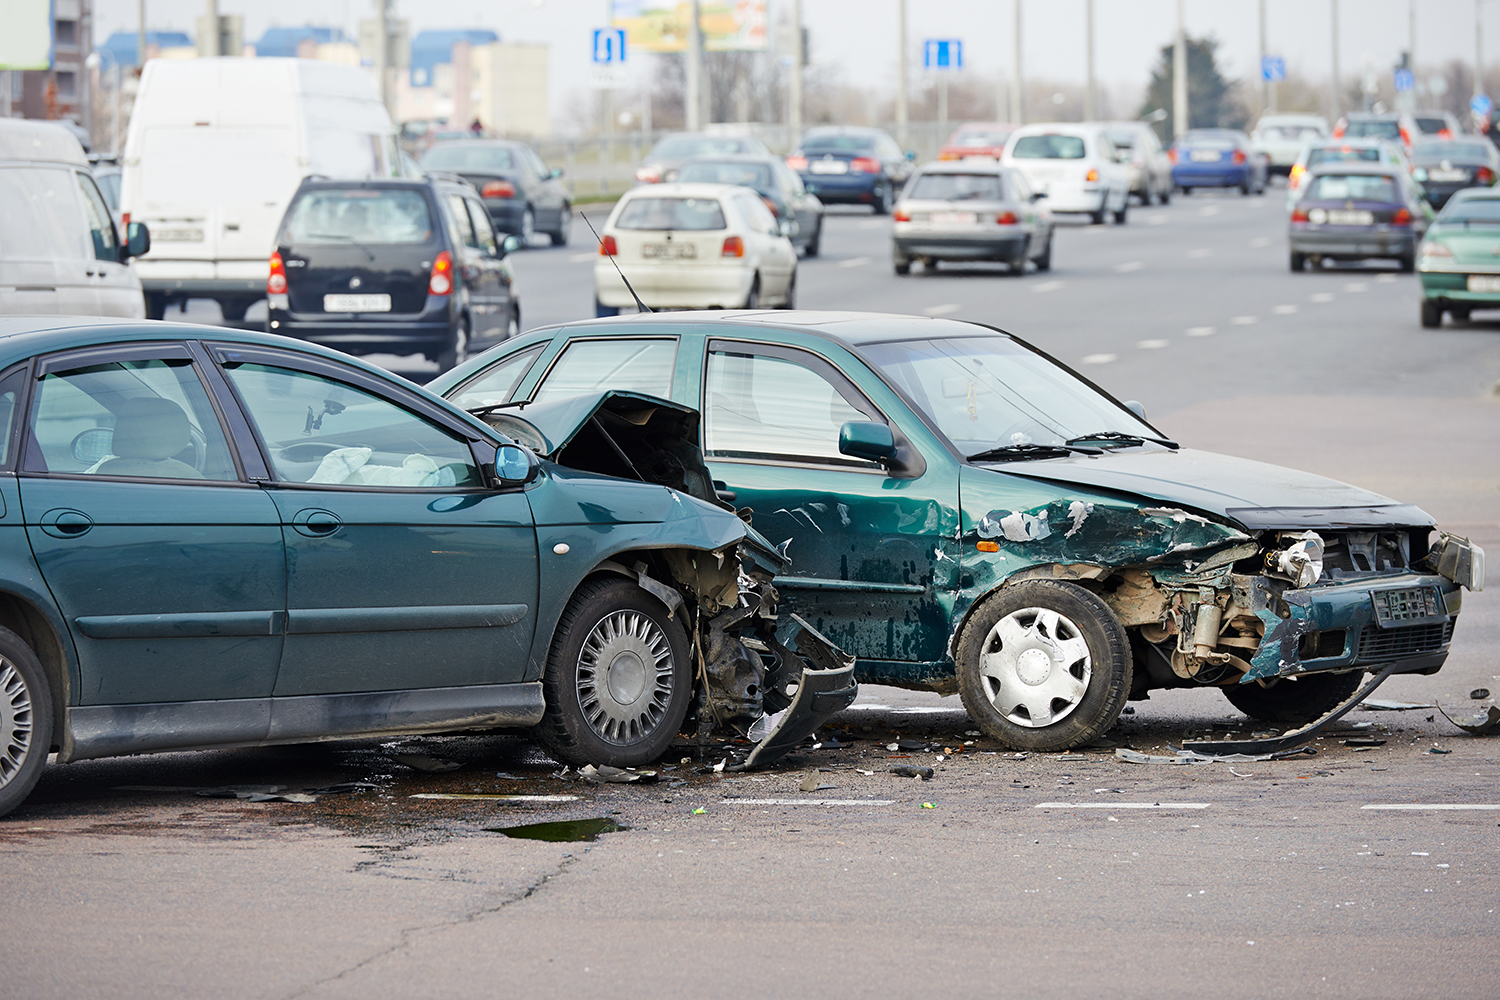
(1380, 644)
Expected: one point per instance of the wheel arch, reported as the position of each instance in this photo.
(1087, 576)
(26, 618)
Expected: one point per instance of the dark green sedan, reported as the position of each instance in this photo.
(1459, 260)
(214, 538)
(964, 514)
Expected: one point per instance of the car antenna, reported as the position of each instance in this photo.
(600, 240)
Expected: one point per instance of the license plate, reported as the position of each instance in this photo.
(955, 218)
(357, 303)
(668, 251)
(1447, 175)
(177, 235)
(828, 167)
(1403, 606)
(1346, 217)
(1206, 156)
(1484, 282)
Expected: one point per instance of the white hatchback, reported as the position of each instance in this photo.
(1074, 165)
(693, 246)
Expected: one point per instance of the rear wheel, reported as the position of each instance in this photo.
(559, 236)
(752, 297)
(1408, 263)
(791, 293)
(457, 351)
(1432, 316)
(234, 309)
(25, 720)
(1044, 262)
(1097, 218)
(816, 243)
(528, 227)
(1185, 191)
(901, 265)
(1121, 214)
(1459, 315)
(882, 203)
(156, 305)
(1298, 261)
(1296, 700)
(513, 328)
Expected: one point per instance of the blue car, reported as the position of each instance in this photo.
(1217, 157)
(851, 165)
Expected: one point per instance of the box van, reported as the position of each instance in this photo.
(59, 249)
(216, 147)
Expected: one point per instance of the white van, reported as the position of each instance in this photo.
(59, 250)
(215, 150)
(1074, 165)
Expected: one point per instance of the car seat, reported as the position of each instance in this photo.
(149, 431)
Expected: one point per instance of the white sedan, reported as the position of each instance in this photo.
(693, 246)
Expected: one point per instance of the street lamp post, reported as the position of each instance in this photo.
(1338, 97)
(1088, 92)
(693, 113)
(794, 85)
(902, 113)
(1179, 78)
(1017, 105)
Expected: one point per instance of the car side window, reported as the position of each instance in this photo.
(1019, 186)
(147, 419)
(321, 431)
(101, 224)
(10, 399)
(615, 363)
(496, 383)
(764, 406)
(483, 231)
(758, 215)
(459, 226)
(536, 161)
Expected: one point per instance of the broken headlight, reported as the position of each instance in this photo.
(1300, 560)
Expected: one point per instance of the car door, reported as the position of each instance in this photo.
(164, 559)
(404, 571)
(479, 268)
(118, 293)
(550, 194)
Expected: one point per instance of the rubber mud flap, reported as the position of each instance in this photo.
(827, 688)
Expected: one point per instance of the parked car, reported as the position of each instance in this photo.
(216, 148)
(227, 539)
(392, 266)
(976, 139)
(60, 251)
(852, 165)
(1457, 263)
(1217, 157)
(676, 148)
(965, 514)
(1342, 151)
(971, 210)
(1281, 138)
(1148, 165)
(797, 209)
(1075, 166)
(693, 246)
(523, 195)
(1446, 166)
(1357, 211)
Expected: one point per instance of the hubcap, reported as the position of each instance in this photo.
(528, 228)
(15, 721)
(625, 677)
(1035, 667)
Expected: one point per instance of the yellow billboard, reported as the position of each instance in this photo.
(662, 25)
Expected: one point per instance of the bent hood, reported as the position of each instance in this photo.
(1256, 495)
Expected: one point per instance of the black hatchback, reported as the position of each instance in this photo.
(392, 267)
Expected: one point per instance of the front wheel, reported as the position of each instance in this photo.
(1297, 700)
(1044, 262)
(1297, 262)
(1121, 214)
(618, 680)
(1432, 316)
(25, 720)
(528, 227)
(1044, 665)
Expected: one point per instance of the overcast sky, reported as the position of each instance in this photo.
(860, 36)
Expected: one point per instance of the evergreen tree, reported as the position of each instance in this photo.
(1211, 103)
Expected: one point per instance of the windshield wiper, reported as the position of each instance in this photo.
(479, 411)
(342, 238)
(1025, 452)
(1124, 438)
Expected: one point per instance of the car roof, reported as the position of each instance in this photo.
(1357, 167)
(1059, 128)
(733, 158)
(972, 165)
(850, 329)
(35, 141)
(675, 189)
(843, 130)
(1372, 116)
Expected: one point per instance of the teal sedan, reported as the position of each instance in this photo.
(215, 538)
(1459, 260)
(964, 514)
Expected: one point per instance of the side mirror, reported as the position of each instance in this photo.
(868, 440)
(509, 245)
(137, 240)
(1135, 406)
(92, 445)
(514, 466)
(911, 154)
(1038, 195)
(554, 173)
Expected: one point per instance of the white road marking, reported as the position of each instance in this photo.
(1285, 310)
(1122, 805)
(1356, 286)
(581, 258)
(1097, 359)
(942, 310)
(494, 798)
(1435, 806)
(1152, 345)
(855, 262)
(1322, 297)
(1130, 265)
(1386, 279)
(1200, 253)
(1156, 220)
(873, 224)
(1209, 210)
(1047, 286)
(809, 802)
(1200, 331)
(1260, 241)
(1241, 320)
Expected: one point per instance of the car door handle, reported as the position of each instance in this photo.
(64, 523)
(316, 523)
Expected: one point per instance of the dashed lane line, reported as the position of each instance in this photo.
(856, 262)
(1098, 359)
(1130, 265)
(1260, 241)
(1200, 253)
(1284, 310)
(581, 258)
(1200, 331)
(1434, 806)
(1048, 286)
(1122, 805)
(1153, 345)
(808, 802)
(1356, 286)
(1156, 220)
(1209, 210)
(1242, 320)
(1321, 297)
(942, 310)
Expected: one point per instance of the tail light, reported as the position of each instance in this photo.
(649, 174)
(949, 155)
(607, 247)
(1299, 215)
(1444, 133)
(733, 247)
(1239, 156)
(864, 165)
(276, 282)
(796, 162)
(775, 212)
(1405, 138)
(1172, 154)
(1092, 175)
(1295, 177)
(1006, 218)
(498, 189)
(440, 282)
(901, 215)
(1401, 218)
(1483, 175)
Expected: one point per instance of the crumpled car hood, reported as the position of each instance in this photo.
(1256, 495)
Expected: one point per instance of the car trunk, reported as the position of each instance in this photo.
(399, 271)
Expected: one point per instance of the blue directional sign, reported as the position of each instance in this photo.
(1405, 81)
(943, 53)
(1481, 105)
(1272, 69)
(609, 45)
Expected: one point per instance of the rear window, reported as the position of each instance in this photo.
(671, 213)
(1290, 132)
(1347, 153)
(1471, 210)
(1373, 130)
(751, 175)
(466, 157)
(1353, 187)
(838, 144)
(956, 187)
(1048, 147)
(1431, 125)
(359, 215)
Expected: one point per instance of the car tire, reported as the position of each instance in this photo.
(156, 305)
(1185, 191)
(1097, 218)
(513, 328)
(1044, 262)
(457, 351)
(815, 244)
(1043, 665)
(1245, 188)
(618, 680)
(1408, 263)
(528, 227)
(1165, 196)
(1432, 316)
(882, 204)
(25, 720)
(901, 265)
(1121, 215)
(559, 236)
(752, 297)
(791, 293)
(1298, 262)
(600, 309)
(233, 310)
(1295, 700)
(1459, 315)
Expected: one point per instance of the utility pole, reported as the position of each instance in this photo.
(693, 112)
(1267, 88)
(1338, 96)
(1180, 78)
(210, 45)
(794, 112)
(140, 35)
(1017, 105)
(383, 52)
(902, 132)
(1088, 93)
(1478, 55)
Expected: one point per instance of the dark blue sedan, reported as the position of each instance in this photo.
(855, 166)
(1217, 157)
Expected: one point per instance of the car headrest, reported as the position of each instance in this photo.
(150, 427)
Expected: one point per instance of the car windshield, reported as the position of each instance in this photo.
(1353, 187)
(671, 213)
(750, 175)
(359, 215)
(1048, 147)
(1373, 130)
(1466, 210)
(838, 144)
(1436, 152)
(977, 138)
(1339, 154)
(469, 157)
(956, 187)
(988, 392)
(684, 147)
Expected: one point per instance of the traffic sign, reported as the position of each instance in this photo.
(1405, 81)
(1481, 105)
(609, 45)
(943, 53)
(1272, 69)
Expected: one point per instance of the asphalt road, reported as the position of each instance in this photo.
(1039, 876)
